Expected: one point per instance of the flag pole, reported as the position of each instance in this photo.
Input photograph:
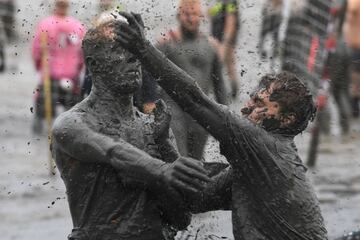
(47, 96)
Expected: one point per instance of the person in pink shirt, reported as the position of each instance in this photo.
(64, 35)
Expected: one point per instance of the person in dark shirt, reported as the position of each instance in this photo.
(225, 24)
(270, 25)
(271, 195)
(122, 180)
(7, 18)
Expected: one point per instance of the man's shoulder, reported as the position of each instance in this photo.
(76, 23)
(75, 115)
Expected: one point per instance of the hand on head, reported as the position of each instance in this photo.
(131, 35)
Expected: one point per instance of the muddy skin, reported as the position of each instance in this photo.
(109, 155)
(194, 54)
(271, 195)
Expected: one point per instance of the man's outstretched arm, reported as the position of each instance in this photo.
(72, 135)
(181, 87)
(255, 148)
(217, 195)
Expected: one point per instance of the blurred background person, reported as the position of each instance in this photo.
(225, 25)
(7, 27)
(270, 25)
(2, 47)
(196, 54)
(337, 64)
(7, 17)
(352, 39)
(105, 5)
(65, 62)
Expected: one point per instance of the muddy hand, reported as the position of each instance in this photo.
(162, 120)
(185, 174)
(131, 35)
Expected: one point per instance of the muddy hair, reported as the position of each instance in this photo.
(294, 98)
(94, 40)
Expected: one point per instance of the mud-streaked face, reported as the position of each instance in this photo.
(260, 108)
(119, 68)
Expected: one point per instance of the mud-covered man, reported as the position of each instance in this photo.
(271, 196)
(108, 154)
(196, 54)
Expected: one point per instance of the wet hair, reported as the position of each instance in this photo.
(94, 39)
(293, 97)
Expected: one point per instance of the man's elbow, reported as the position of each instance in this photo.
(61, 129)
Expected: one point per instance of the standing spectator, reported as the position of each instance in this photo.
(2, 47)
(224, 15)
(271, 20)
(7, 17)
(65, 59)
(7, 33)
(338, 65)
(196, 54)
(352, 38)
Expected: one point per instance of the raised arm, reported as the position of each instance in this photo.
(72, 135)
(181, 87)
(163, 135)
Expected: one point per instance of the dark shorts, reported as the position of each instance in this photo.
(58, 97)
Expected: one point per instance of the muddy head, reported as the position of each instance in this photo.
(111, 66)
(282, 104)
